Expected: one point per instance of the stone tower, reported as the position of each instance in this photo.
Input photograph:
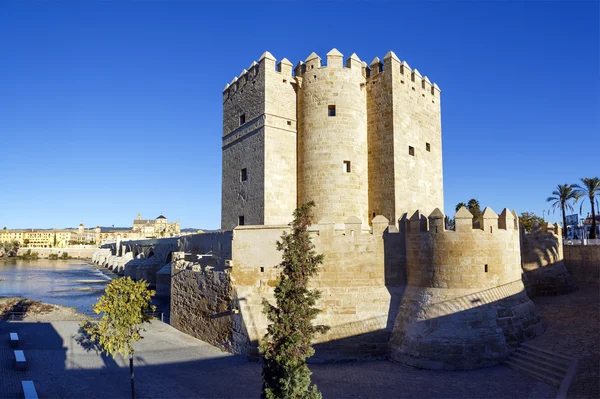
(359, 141)
(259, 145)
(332, 137)
(405, 140)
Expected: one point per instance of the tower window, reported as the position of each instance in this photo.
(347, 167)
(242, 119)
(411, 151)
(244, 174)
(331, 110)
(485, 267)
(240, 220)
(428, 147)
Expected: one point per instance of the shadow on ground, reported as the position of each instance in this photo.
(170, 364)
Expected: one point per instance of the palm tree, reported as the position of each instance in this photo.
(474, 208)
(561, 197)
(591, 189)
(459, 205)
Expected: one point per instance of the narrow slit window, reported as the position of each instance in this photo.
(411, 151)
(244, 174)
(331, 110)
(485, 267)
(347, 167)
(428, 147)
(242, 119)
(240, 220)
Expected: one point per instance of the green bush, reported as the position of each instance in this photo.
(53, 256)
(65, 256)
(30, 255)
(26, 255)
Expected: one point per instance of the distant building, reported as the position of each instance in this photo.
(587, 225)
(143, 228)
(62, 238)
(11, 236)
(55, 238)
(155, 228)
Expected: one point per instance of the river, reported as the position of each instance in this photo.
(61, 282)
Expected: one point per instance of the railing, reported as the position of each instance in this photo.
(595, 241)
(16, 316)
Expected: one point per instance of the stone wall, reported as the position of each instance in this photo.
(202, 305)
(356, 302)
(163, 281)
(358, 299)
(544, 272)
(583, 262)
(80, 253)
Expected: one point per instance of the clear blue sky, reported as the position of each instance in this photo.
(112, 108)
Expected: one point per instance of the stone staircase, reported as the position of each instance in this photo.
(549, 367)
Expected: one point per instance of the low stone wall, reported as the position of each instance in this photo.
(81, 253)
(361, 286)
(583, 262)
(202, 305)
(163, 281)
(360, 280)
(544, 271)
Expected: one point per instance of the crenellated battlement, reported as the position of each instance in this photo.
(350, 228)
(483, 254)
(391, 62)
(265, 63)
(335, 59)
(488, 221)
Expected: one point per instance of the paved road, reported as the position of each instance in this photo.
(574, 330)
(170, 364)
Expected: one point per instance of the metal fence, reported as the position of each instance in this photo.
(588, 241)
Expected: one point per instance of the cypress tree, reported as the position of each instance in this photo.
(287, 344)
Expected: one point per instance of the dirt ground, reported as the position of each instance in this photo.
(30, 310)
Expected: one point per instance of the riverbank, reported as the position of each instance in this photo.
(23, 309)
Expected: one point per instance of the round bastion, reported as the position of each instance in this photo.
(465, 305)
(332, 137)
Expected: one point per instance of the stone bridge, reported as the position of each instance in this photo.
(140, 259)
(151, 259)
